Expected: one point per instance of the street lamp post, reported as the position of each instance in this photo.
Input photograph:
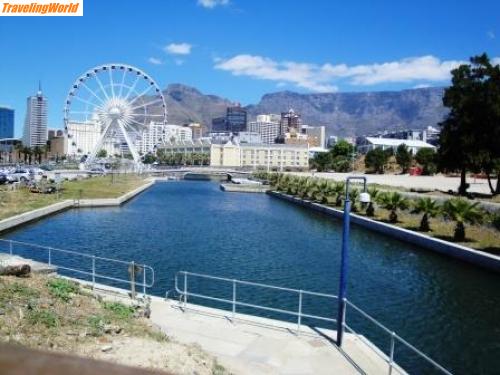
(344, 260)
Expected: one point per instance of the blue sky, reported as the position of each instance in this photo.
(242, 49)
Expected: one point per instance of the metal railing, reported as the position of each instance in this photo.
(184, 293)
(133, 268)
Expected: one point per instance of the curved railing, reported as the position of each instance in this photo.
(184, 293)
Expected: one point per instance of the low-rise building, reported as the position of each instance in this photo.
(370, 143)
(316, 135)
(277, 156)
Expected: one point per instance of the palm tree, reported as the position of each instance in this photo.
(293, 185)
(328, 191)
(429, 208)
(339, 190)
(313, 189)
(461, 211)
(374, 196)
(273, 179)
(19, 148)
(303, 185)
(393, 201)
(353, 197)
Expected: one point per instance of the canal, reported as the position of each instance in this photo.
(448, 309)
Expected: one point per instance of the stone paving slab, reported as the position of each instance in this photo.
(253, 345)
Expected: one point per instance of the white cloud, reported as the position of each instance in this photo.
(495, 61)
(178, 48)
(308, 76)
(421, 86)
(155, 61)
(210, 4)
(324, 78)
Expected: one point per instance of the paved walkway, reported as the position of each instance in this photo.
(251, 345)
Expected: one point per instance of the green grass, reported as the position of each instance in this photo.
(44, 317)
(22, 200)
(119, 310)
(62, 288)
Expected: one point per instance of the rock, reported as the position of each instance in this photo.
(72, 333)
(106, 348)
(110, 329)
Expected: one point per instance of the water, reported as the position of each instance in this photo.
(447, 308)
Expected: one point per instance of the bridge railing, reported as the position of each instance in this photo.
(182, 283)
(83, 264)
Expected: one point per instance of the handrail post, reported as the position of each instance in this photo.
(185, 289)
(234, 298)
(299, 319)
(50, 256)
(391, 357)
(132, 279)
(144, 280)
(93, 272)
(10, 247)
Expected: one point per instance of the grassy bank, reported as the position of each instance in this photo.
(455, 220)
(22, 200)
(50, 313)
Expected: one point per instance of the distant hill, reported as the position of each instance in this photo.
(344, 114)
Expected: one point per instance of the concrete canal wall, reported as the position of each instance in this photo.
(39, 213)
(450, 249)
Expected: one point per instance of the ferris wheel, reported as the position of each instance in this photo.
(121, 101)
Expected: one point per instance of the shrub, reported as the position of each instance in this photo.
(426, 157)
(496, 220)
(403, 157)
(376, 160)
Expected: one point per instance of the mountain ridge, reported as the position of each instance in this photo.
(343, 113)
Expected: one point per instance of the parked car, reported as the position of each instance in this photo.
(98, 171)
(20, 175)
(3, 179)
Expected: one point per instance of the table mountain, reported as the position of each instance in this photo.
(344, 114)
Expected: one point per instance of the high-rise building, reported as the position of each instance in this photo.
(35, 124)
(6, 122)
(82, 136)
(236, 119)
(268, 126)
(234, 122)
(290, 122)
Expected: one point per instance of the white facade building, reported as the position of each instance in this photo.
(277, 156)
(371, 143)
(82, 137)
(35, 123)
(268, 126)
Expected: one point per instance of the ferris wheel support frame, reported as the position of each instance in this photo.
(118, 108)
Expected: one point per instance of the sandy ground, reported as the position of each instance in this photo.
(437, 182)
(140, 352)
